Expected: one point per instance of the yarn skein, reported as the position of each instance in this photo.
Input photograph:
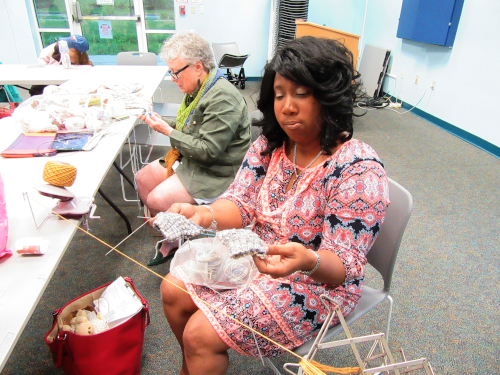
(59, 173)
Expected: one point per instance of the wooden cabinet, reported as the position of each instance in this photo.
(351, 41)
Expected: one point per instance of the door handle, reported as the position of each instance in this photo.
(76, 12)
(111, 18)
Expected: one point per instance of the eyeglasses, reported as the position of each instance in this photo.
(175, 75)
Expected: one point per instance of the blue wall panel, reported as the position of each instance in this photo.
(430, 21)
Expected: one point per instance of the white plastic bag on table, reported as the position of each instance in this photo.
(206, 262)
(62, 112)
(31, 120)
(53, 89)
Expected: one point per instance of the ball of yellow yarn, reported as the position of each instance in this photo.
(59, 174)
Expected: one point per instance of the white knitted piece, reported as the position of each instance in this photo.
(241, 242)
(175, 226)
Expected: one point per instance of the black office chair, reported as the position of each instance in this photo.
(227, 56)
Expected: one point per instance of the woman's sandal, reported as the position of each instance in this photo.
(159, 258)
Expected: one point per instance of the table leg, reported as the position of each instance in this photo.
(118, 211)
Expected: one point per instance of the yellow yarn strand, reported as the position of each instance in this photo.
(309, 368)
(316, 368)
(170, 158)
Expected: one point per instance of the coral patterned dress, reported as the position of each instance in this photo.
(338, 206)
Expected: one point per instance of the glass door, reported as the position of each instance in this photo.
(110, 26)
(52, 20)
(159, 17)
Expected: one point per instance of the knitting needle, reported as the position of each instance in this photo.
(126, 238)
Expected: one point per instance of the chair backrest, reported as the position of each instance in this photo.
(384, 251)
(254, 117)
(221, 49)
(136, 58)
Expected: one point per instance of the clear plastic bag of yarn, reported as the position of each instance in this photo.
(206, 261)
(60, 111)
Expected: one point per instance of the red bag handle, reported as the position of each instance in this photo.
(148, 318)
(60, 343)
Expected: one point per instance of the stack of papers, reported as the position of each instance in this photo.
(118, 303)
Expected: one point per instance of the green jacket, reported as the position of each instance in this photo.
(214, 141)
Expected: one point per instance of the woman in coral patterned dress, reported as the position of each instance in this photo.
(315, 195)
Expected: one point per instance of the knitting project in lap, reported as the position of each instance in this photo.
(240, 242)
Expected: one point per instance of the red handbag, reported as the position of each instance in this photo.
(116, 351)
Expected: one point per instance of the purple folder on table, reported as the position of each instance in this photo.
(30, 144)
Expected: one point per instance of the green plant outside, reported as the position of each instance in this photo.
(155, 42)
(51, 13)
(159, 15)
(124, 38)
(49, 38)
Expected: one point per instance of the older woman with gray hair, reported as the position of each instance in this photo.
(209, 139)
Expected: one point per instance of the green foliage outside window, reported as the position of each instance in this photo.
(155, 42)
(158, 15)
(49, 38)
(51, 13)
(124, 38)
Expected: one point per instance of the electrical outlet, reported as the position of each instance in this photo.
(433, 87)
(403, 74)
(416, 79)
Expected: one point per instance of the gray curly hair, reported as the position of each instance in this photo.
(189, 46)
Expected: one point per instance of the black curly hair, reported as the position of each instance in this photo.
(324, 65)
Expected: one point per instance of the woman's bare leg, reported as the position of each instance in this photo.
(204, 351)
(178, 308)
(167, 193)
(148, 178)
(157, 192)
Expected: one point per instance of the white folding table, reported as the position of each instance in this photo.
(23, 74)
(24, 279)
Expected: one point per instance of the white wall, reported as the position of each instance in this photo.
(245, 22)
(17, 45)
(345, 15)
(467, 75)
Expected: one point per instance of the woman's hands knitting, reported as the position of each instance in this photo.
(155, 121)
(283, 260)
(191, 213)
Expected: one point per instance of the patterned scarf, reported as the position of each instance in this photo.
(186, 110)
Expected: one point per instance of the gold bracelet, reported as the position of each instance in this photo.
(213, 224)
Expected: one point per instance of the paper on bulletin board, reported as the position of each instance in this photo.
(105, 29)
(182, 1)
(105, 2)
(197, 1)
